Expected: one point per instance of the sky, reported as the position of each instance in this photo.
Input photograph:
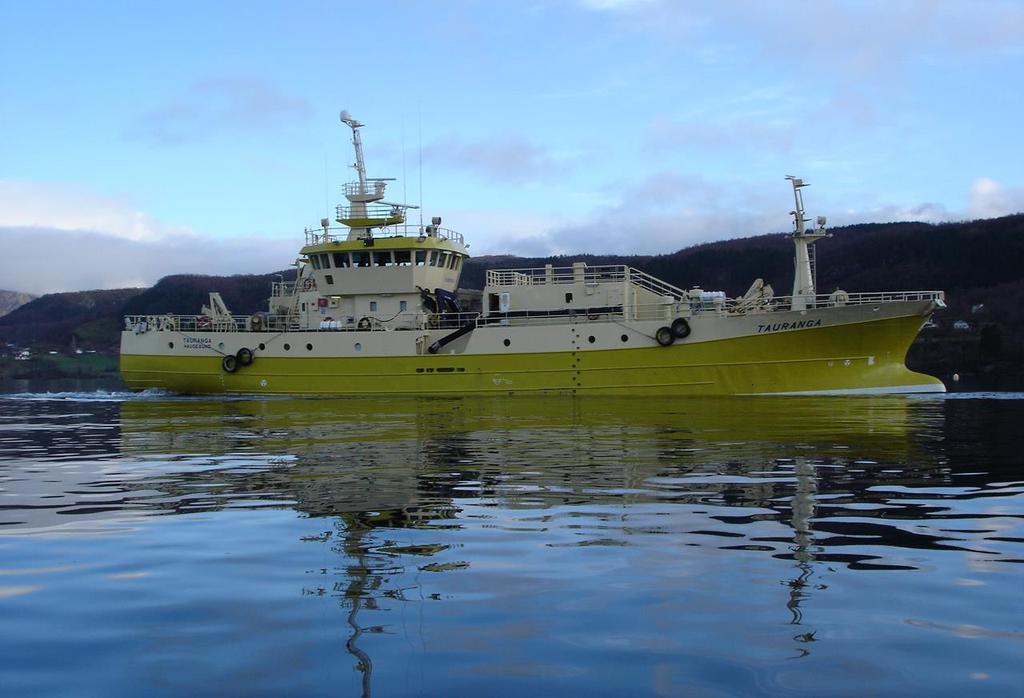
(144, 139)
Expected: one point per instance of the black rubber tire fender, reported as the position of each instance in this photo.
(664, 336)
(244, 356)
(229, 363)
(680, 328)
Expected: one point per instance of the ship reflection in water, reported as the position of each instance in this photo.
(560, 545)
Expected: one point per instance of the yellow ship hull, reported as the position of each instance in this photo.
(841, 357)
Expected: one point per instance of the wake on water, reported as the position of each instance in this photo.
(94, 395)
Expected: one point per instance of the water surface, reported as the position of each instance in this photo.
(560, 546)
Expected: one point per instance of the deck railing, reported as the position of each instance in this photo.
(424, 321)
(319, 236)
(610, 274)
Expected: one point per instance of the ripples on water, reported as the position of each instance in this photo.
(154, 544)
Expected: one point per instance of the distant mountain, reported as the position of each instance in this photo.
(9, 300)
(89, 318)
(980, 265)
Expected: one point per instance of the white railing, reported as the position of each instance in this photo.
(831, 300)
(372, 187)
(539, 276)
(318, 236)
(282, 288)
(424, 231)
(654, 284)
(370, 212)
(423, 321)
(205, 323)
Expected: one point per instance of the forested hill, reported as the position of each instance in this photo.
(60, 319)
(871, 256)
(980, 265)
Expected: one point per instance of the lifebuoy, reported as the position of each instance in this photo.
(680, 328)
(170, 323)
(364, 323)
(204, 322)
(308, 284)
(664, 336)
(229, 363)
(243, 356)
(255, 323)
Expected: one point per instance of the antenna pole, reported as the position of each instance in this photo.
(419, 114)
(357, 141)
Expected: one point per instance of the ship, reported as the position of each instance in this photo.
(374, 309)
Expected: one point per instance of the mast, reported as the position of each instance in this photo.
(805, 272)
(357, 142)
(360, 217)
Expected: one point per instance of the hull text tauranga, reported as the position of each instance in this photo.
(375, 310)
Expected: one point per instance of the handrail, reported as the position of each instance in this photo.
(373, 187)
(317, 236)
(424, 231)
(687, 307)
(652, 283)
(380, 212)
(617, 273)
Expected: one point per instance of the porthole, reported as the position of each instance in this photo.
(591, 339)
(220, 346)
(358, 346)
(287, 346)
(262, 346)
(507, 342)
(625, 338)
(309, 347)
(170, 345)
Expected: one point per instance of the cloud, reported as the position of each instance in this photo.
(211, 107)
(35, 204)
(58, 238)
(990, 199)
(46, 260)
(928, 212)
(510, 159)
(663, 213)
(667, 212)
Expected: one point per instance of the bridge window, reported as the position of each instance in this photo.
(443, 263)
(421, 257)
(433, 258)
(360, 259)
(325, 260)
(382, 259)
(403, 258)
(315, 261)
(329, 279)
(341, 260)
